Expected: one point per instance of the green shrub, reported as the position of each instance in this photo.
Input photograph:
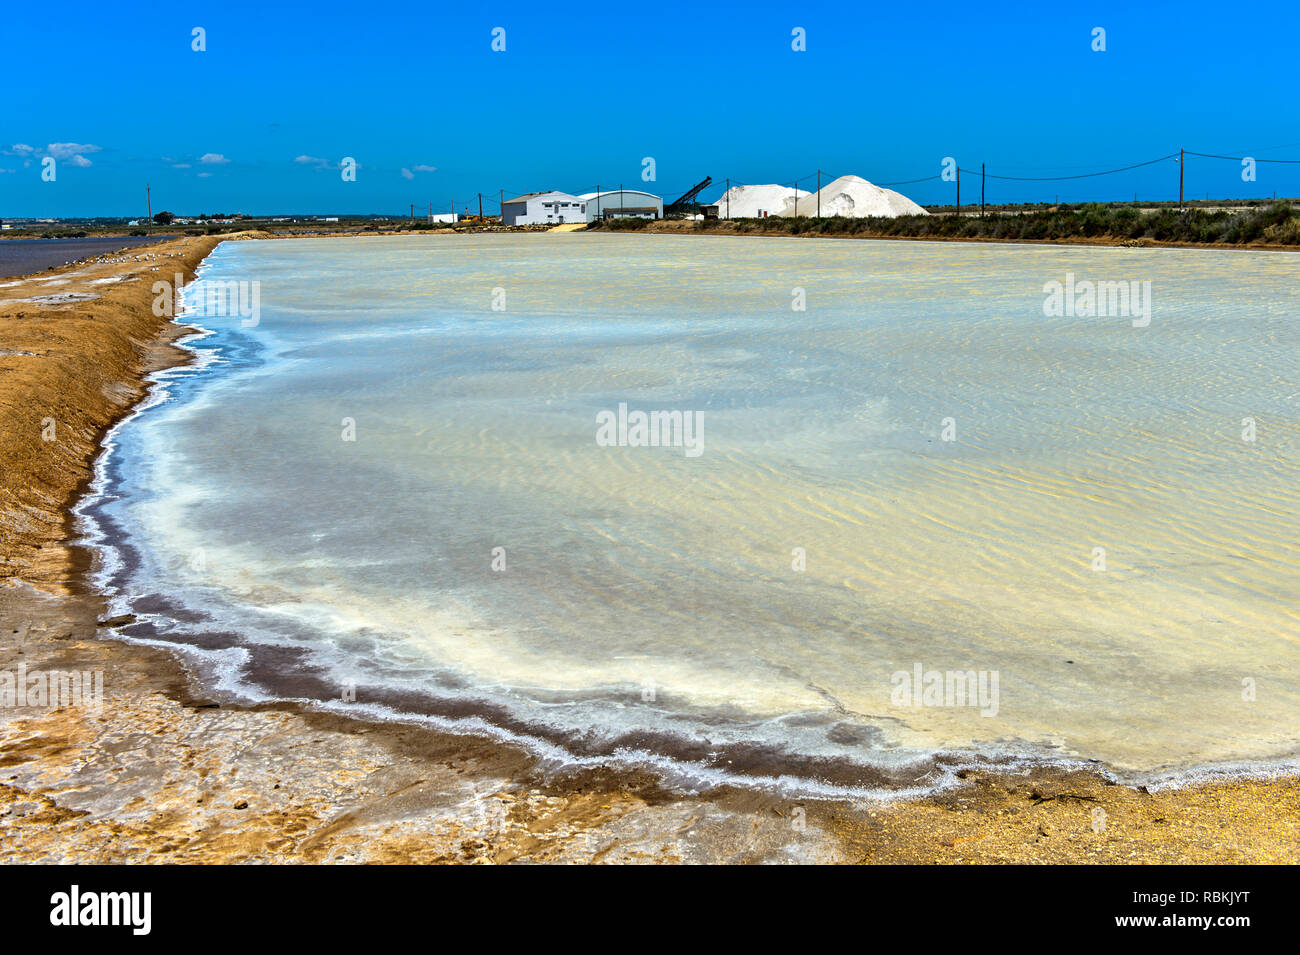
(627, 223)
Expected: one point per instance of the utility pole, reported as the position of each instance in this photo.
(795, 186)
(728, 198)
(959, 190)
(981, 190)
(480, 205)
(430, 213)
(412, 211)
(148, 202)
(1182, 165)
(819, 193)
(502, 207)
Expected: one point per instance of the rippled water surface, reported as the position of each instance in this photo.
(650, 606)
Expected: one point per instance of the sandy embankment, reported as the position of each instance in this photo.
(160, 774)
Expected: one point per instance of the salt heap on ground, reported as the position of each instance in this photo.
(854, 197)
(751, 202)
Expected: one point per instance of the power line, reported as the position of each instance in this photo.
(1085, 175)
(908, 182)
(1240, 158)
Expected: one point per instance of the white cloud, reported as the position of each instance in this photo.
(205, 175)
(407, 174)
(70, 150)
(180, 165)
(424, 168)
(71, 153)
(213, 159)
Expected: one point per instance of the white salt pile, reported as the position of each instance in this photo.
(751, 202)
(854, 197)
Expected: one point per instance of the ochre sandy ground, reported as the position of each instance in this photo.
(162, 773)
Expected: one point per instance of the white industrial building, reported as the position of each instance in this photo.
(543, 208)
(622, 203)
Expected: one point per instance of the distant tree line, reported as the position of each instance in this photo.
(1277, 223)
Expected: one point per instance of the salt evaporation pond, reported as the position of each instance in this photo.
(1097, 536)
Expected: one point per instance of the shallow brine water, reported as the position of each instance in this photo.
(21, 256)
(396, 483)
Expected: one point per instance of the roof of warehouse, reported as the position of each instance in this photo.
(615, 192)
(534, 195)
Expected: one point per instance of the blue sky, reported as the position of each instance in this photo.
(583, 92)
